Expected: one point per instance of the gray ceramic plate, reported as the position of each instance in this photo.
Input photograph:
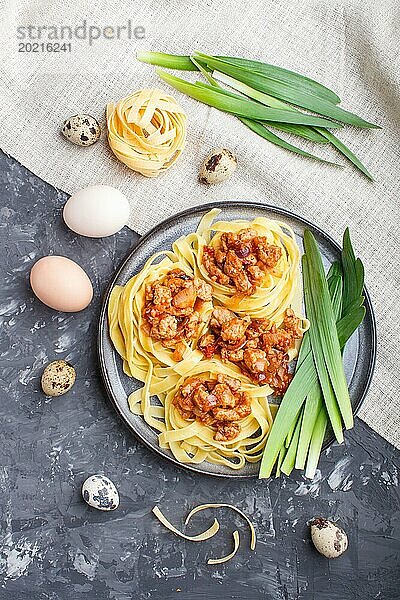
(359, 356)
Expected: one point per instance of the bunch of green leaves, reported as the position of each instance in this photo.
(318, 395)
(266, 100)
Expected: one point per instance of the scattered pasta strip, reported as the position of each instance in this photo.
(146, 131)
(218, 561)
(241, 513)
(201, 537)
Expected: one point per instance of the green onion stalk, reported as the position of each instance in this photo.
(317, 395)
(286, 95)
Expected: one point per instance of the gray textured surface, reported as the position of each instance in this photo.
(55, 547)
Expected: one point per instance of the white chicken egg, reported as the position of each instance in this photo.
(100, 492)
(96, 211)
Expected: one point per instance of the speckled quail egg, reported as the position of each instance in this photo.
(218, 166)
(329, 539)
(82, 130)
(100, 492)
(58, 378)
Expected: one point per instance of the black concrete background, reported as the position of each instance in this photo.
(54, 547)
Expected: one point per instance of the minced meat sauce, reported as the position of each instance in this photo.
(172, 309)
(218, 403)
(241, 260)
(257, 346)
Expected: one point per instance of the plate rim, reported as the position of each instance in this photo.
(142, 240)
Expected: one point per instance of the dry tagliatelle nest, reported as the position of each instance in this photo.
(147, 131)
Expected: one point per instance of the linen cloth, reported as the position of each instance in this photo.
(351, 47)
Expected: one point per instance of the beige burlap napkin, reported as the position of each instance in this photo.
(350, 46)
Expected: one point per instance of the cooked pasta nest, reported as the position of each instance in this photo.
(148, 361)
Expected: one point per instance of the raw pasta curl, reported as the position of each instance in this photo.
(147, 131)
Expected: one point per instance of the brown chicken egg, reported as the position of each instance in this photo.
(61, 283)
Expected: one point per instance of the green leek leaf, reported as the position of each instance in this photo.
(308, 133)
(335, 272)
(346, 152)
(326, 343)
(353, 273)
(259, 128)
(238, 105)
(205, 72)
(317, 339)
(168, 61)
(314, 400)
(312, 406)
(288, 93)
(316, 442)
(335, 287)
(292, 428)
(290, 456)
(353, 313)
(284, 75)
(359, 268)
(239, 86)
(349, 323)
(279, 461)
(183, 63)
(271, 137)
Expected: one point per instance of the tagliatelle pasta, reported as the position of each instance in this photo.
(201, 507)
(147, 360)
(279, 290)
(201, 537)
(147, 131)
(227, 557)
(211, 531)
(193, 442)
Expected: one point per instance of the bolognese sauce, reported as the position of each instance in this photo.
(172, 308)
(257, 346)
(241, 260)
(218, 403)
